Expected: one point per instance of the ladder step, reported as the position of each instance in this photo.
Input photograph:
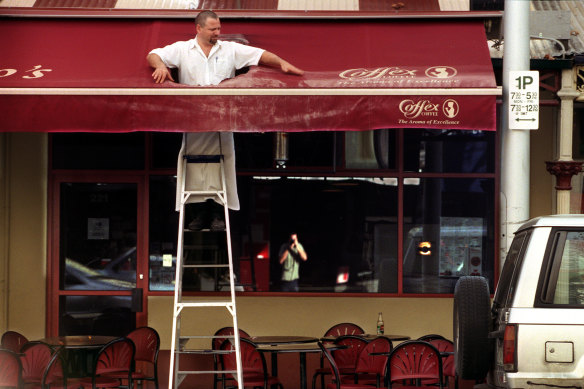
(215, 247)
(202, 230)
(203, 352)
(203, 192)
(214, 265)
(206, 304)
(203, 158)
(207, 372)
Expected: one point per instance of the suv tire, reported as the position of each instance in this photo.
(472, 346)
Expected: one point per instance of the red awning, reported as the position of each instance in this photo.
(92, 75)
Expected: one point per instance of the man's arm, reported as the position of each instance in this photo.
(283, 255)
(271, 59)
(302, 252)
(161, 72)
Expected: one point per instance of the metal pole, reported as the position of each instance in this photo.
(514, 143)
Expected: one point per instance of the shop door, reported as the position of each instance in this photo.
(98, 256)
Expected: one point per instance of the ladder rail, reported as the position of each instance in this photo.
(175, 374)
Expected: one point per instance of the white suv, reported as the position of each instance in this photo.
(532, 335)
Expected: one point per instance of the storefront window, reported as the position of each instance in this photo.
(447, 232)
(163, 230)
(98, 236)
(398, 211)
(449, 151)
(96, 315)
(81, 151)
(347, 226)
(370, 149)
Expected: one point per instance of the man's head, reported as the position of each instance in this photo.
(208, 27)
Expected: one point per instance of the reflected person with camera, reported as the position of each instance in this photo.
(290, 256)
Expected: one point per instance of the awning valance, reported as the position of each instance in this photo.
(92, 75)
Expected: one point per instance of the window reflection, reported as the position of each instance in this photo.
(98, 236)
(446, 232)
(348, 227)
(96, 315)
(163, 229)
(449, 151)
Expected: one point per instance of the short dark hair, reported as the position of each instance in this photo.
(202, 17)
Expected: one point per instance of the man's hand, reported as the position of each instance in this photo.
(271, 59)
(161, 74)
(288, 68)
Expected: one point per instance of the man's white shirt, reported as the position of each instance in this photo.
(197, 69)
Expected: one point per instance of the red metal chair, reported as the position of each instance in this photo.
(145, 368)
(54, 375)
(35, 358)
(10, 370)
(335, 331)
(253, 363)
(219, 337)
(344, 329)
(446, 349)
(430, 337)
(413, 363)
(337, 377)
(13, 341)
(370, 368)
(114, 358)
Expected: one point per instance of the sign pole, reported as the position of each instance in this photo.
(514, 143)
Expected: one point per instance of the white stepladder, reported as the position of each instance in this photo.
(180, 341)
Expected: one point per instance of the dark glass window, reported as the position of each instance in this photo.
(98, 236)
(313, 150)
(98, 151)
(254, 151)
(444, 151)
(370, 149)
(447, 232)
(96, 315)
(165, 147)
(340, 192)
(163, 230)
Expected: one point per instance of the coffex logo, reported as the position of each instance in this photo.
(376, 73)
(412, 109)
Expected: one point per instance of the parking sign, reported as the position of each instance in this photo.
(523, 100)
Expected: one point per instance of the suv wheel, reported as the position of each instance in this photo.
(472, 346)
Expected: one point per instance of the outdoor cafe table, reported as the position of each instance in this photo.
(80, 351)
(369, 337)
(282, 343)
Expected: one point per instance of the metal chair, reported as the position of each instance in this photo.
(35, 358)
(13, 341)
(253, 363)
(413, 364)
(54, 376)
(342, 329)
(337, 330)
(337, 378)
(446, 349)
(370, 368)
(147, 344)
(219, 337)
(114, 358)
(430, 337)
(10, 370)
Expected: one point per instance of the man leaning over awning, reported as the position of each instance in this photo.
(205, 60)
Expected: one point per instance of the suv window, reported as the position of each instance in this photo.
(564, 283)
(512, 265)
